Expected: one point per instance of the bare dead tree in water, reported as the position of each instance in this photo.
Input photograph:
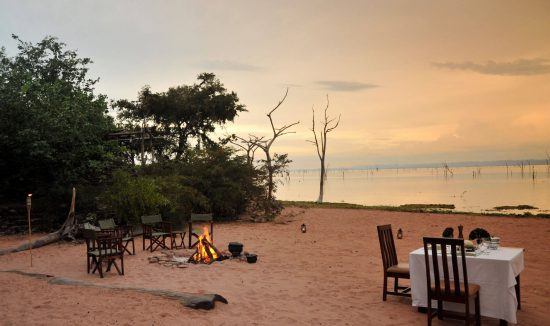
(447, 171)
(522, 167)
(320, 142)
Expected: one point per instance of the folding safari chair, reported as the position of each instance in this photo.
(200, 218)
(177, 240)
(156, 231)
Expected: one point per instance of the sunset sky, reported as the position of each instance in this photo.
(414, 81)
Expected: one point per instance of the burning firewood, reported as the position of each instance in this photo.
(206, 252)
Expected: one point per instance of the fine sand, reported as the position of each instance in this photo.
(330, 275)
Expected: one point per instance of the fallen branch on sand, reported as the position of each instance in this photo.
(191, 300)
(67, 231)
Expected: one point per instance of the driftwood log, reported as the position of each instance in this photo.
(191, 300)
(67, 231)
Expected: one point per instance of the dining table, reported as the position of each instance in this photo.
(496, 271)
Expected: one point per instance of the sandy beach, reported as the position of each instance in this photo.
(330, 275)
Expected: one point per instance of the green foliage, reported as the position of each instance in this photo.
(267, 207)
(182, 113)
(54, 135)
(131, 197)
(424, 207)
(228, 181)
(208, 180)
(52, 126)
(183, 198)
(511, 207)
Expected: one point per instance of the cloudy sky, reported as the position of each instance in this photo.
(414, 81)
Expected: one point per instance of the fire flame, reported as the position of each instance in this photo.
(205, 252)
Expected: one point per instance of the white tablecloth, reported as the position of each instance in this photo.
(494, 271)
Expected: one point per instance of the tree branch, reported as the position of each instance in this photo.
(315, 142)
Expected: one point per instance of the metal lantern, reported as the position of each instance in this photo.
(399, 234)
(303, 228)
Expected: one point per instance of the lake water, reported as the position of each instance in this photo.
(471, 189)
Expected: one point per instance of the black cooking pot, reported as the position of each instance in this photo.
(235, 248)
(251, 258)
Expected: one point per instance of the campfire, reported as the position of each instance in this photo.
(206, 252)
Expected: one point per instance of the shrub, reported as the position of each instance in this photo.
(130, 197)
(184, 199)
(210, 180)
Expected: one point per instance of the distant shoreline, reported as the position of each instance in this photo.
(465, 164)
(410, 208)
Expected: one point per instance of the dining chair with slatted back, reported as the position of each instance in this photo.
(126, 231)
(91, 245)
(392, 268)
(445, 286)
(109, 249)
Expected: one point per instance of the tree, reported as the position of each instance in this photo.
(246, 145)
(212, 179)
(53, 126)
(182, 114)
(320, 142)
(273, 164)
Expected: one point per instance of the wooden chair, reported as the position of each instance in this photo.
(453, 290)
(109, 250)
(392, 268)
(156, 231)
(127, 233)
(103, 247)
(200, 218)
(90, 237)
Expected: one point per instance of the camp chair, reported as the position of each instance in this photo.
(392, 268)
(200, 218)
(178, 230)
(126, 232)
(103, 246)
(156, 230)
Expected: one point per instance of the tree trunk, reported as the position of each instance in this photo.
(191, 300)
(269, 177)
(322, 182)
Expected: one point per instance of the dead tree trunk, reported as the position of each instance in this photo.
(322, 182)
(191, 300)
(320, 143)
(67, 230)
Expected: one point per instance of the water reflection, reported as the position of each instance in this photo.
(472, 189)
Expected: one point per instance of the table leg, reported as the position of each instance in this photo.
(518, 292)
(503, 322)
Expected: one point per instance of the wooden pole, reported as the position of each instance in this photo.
(29, 220)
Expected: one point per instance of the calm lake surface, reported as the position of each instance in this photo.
(471, 189)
